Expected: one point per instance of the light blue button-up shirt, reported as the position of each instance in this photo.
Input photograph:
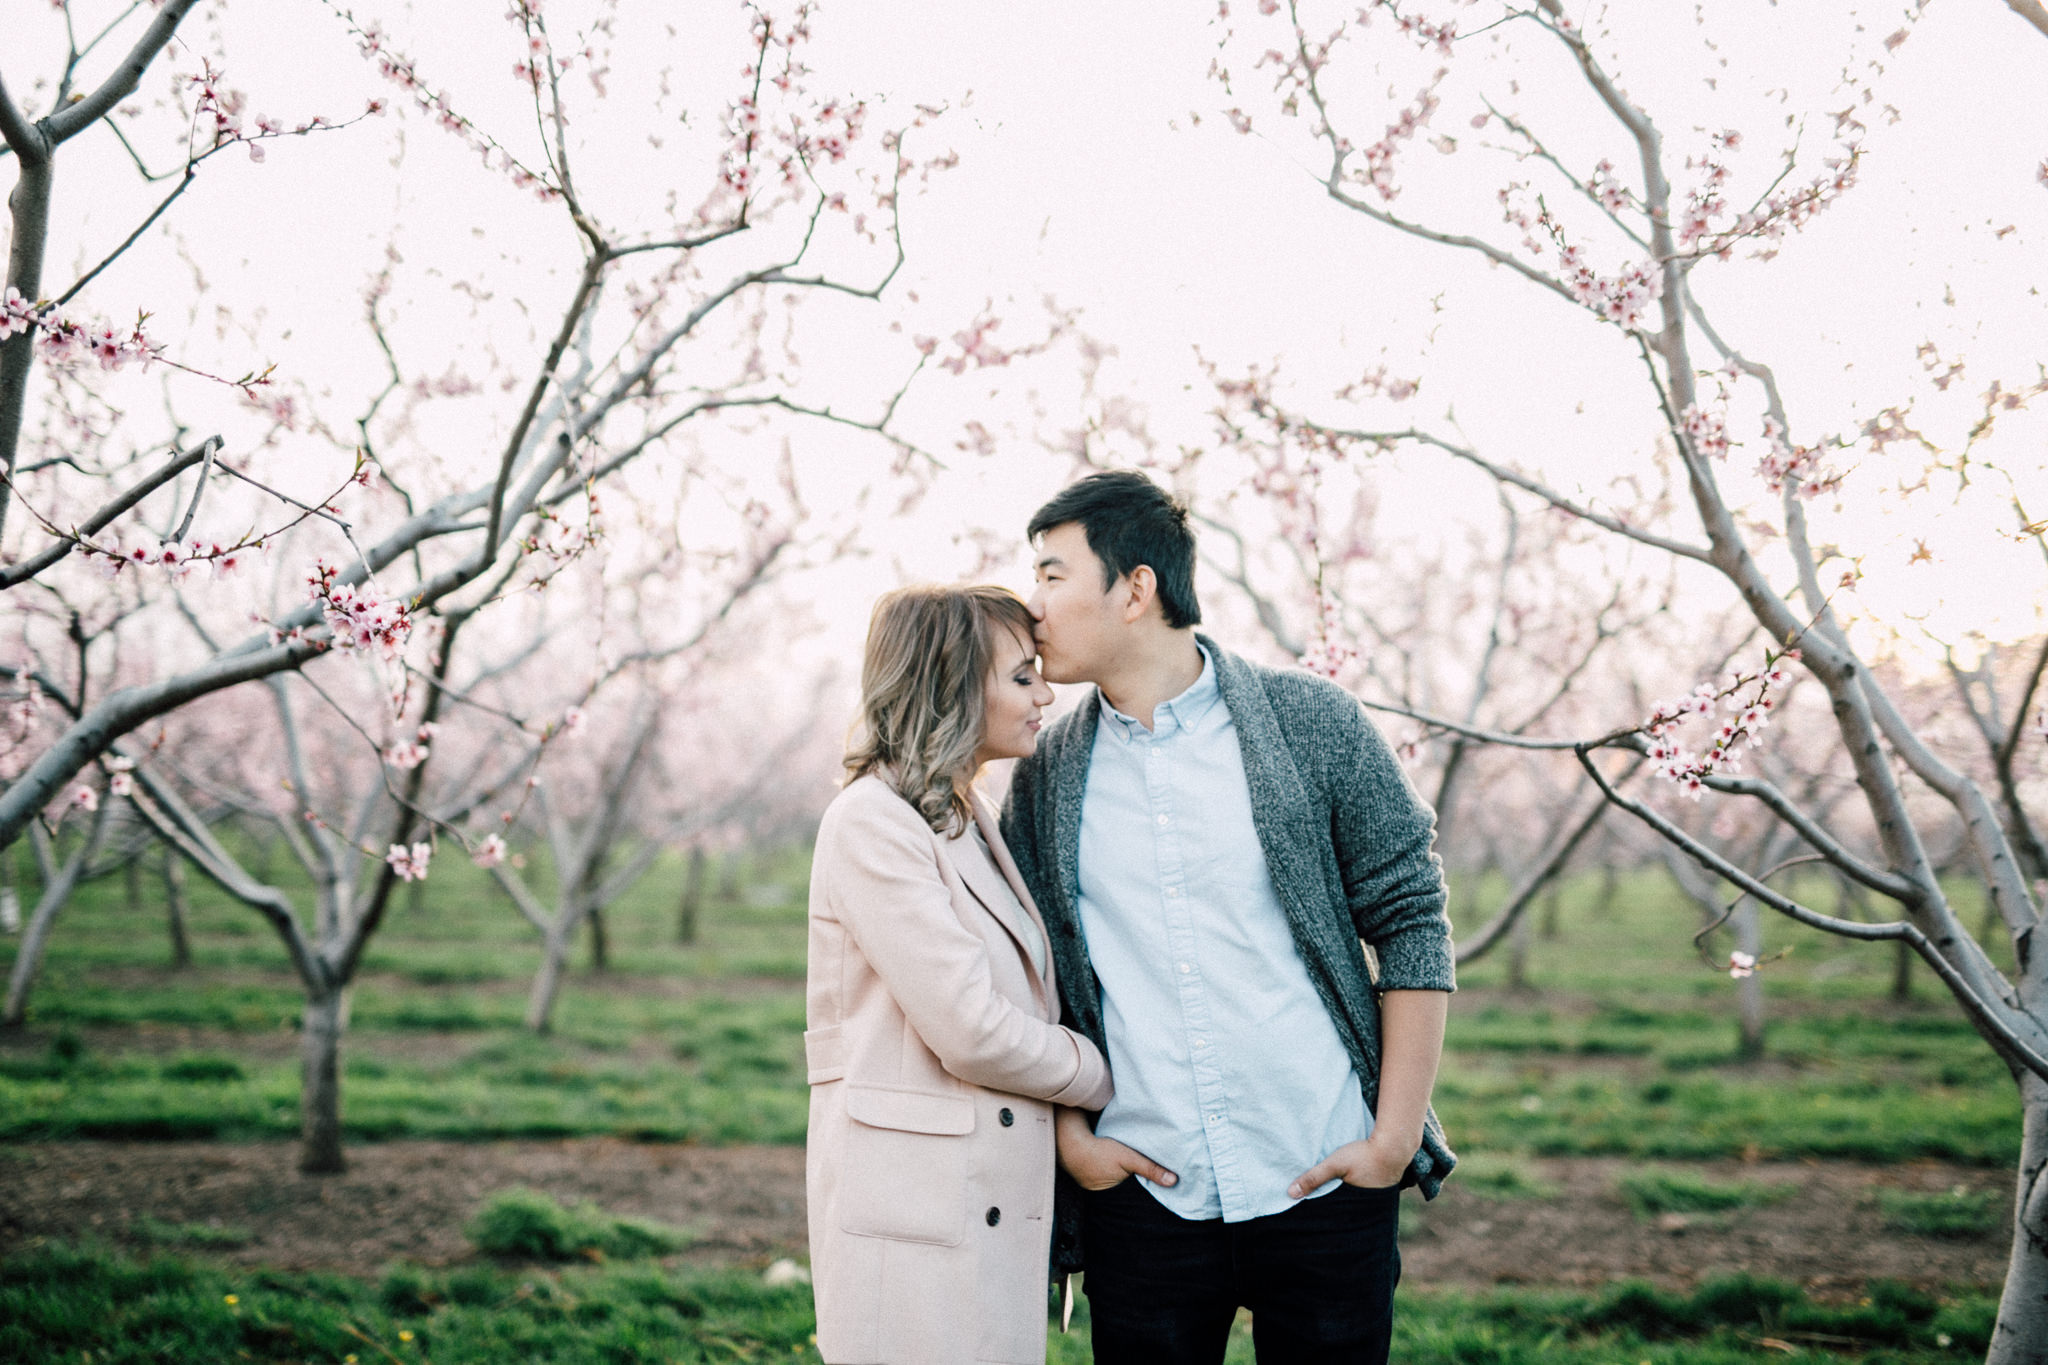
(1229, 1071)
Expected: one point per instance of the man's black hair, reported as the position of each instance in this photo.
(1130, 520)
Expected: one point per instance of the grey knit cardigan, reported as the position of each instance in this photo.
(1346, 839)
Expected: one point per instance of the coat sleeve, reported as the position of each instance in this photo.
(1393, 882)
(886, 888)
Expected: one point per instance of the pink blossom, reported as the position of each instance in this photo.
(490, 852)
(17, 314)
(406, 755)
(410, 865)
(572, 719)
(1741, 964)
(84, 797)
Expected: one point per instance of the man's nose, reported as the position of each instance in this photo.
(1036, 605)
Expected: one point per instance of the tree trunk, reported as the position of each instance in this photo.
(693, 897)
(415, 896)
(1548, 928)
(131, 876)
(600, 946)
(2021, 1336)
(1610, 887)
(729, 877)
(10, 899)
(1749, 992)
(547, 982)
(28, 959)
(37, 936)
(1902, 971)
(174, 905)
(325, 1020)
(1518, 953)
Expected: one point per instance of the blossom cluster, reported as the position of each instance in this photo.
(359, 616)
(65, 339)
(409, 754)
(1622, 299)
(1378, 170)
(410, 863)
(1330, 653)
(177, 558)
(823, 134)
(1376, 382)
(398, 69)
(1746, 701)
(1707, 430)
(1785, 465)
(1612, 194)
(1703, 226)
(220, 110)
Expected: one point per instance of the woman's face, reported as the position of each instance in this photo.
(1016, 695)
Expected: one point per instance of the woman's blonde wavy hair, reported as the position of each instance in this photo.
(924, 692)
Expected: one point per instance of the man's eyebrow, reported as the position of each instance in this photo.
(1051, 561)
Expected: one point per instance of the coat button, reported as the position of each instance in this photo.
(1005, 1117)
(995, 1216)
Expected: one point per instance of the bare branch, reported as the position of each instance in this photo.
(100, 520)
(2032, 11)
(1491, 933)
(64, 124)
(1999, 1027)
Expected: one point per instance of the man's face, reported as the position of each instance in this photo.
(1079, 625)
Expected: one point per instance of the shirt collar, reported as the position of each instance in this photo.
(1185, 712)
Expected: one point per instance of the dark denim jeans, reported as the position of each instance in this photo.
(1318, 1278)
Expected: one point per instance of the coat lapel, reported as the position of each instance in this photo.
(986, 884)
(991, 831)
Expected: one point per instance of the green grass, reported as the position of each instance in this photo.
(526, 1225)
(1625, 1048)
(74, 1304)
(1656, 1190)
(1492, 1175)
(195, 1236)
(1948, 1213)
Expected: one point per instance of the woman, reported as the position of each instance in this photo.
(934, 1059)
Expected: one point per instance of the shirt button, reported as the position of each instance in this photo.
(1213, 1118)
(1173, 891)
(1184, 968)
(1201, 1042)
(1005, 1117)
(1166, 819)
(995, 1216)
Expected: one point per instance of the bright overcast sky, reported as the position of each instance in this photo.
(1096, 170)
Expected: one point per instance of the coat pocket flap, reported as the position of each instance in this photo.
(824, 1054)
(910, 1111)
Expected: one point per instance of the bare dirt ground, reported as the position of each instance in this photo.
(409, 1200)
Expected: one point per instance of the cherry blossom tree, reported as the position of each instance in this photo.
(630, 366)
(1633, 229)
(376, 527)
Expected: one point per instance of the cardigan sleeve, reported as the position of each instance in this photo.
(1393, 881)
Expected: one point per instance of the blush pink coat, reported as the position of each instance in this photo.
(934, 1066)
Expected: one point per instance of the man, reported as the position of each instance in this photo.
(1209, 841)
